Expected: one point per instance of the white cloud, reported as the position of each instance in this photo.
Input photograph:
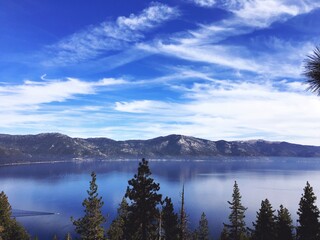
(55, 105)
(232, 111)
(263, 13)
(149, 18)
(32, 94)
(214, 109)
(220, 55)
(205, 44)
(205, 3)
(143, 106)
(260, 13)
(285, 60)
(107, 36)
(111, 81)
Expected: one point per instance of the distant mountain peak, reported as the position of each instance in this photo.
(52, 134)
(56, 146)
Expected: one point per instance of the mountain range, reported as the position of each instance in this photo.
(58, 147)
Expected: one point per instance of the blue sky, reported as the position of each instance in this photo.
(123, 69)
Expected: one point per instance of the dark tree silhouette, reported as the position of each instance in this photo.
(203, 229)
(265, 225)
(224, 234)
(143, 212)
(312, 71)
(237, 227)
(284, 224)
(308, 214)
(68, 237)
(169, 221)
(183, 221)
(117, 228)
(90, 226)
(9, 227)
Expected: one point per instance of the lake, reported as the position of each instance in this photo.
(61, 187)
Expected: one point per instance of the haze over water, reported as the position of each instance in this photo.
(61, 187)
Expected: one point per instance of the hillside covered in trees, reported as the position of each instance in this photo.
(59, 147)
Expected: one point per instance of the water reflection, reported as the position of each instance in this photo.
(61, 187)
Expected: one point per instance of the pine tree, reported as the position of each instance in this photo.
(183, 221)
(1, 231)
(195, 235)
(143, 212)
(203, 229)
(10, 228)
(169, 221)
(5, 216)
(117, 227)
(308, 216)
(68, 237)
(284, 224)
(312, 71)
(237, 226)
(17, 231)
(55, 237)
(265, 225)
(90, 227)
(224, 234)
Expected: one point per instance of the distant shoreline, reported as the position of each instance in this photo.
(220, 159)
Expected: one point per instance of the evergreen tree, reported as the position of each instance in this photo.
(195, 235)
(1, 231)
(10, 228)
(55, 237)
(312, 71)
(17, 231)
(117, 227)
(224, 234)
(265, 225)
(308, 214)
(68, 237)
(237, 226)
(5, 216)
(203, 229)
(169, 221)
(143, 212)
(90, 227)
(284, 224)
(183, 221)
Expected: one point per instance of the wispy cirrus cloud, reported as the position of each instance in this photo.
(206, 44)
(263, 13)
(205, 53)
(109, 35)
(260, 13)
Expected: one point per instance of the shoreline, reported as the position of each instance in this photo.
(221, 159)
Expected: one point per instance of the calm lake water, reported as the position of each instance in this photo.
(61, 187)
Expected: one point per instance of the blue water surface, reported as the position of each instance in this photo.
(60, 188)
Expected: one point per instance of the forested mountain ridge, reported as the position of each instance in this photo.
(56, 146)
